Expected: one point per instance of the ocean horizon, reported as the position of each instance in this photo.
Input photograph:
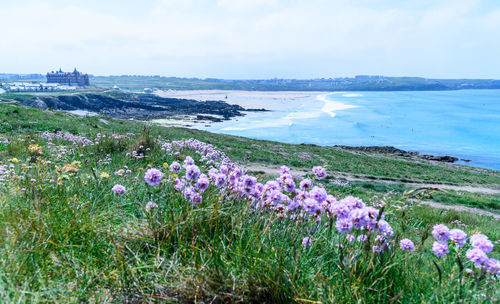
(462, 123)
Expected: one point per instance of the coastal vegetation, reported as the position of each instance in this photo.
(95, 209)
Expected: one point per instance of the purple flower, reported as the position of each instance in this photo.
(343, 225)
(340, 210)
(196, 198)
(477, 256)
(307, 242)
(350, 238)
(482, 242)
(202, 183)
(493, 266)
(284, 170)
(220, 179)
(175, 167)
(151, 205)
(458, 236)
(319, 194)
(440, 248)
(276, 196)
(305, 184)
(385, 229)
(358, 217)
(289, 185)
(352, 202)
(319, 172)
(362, 238)
(224, 169)
(272, 185)
(249, 181)
(188, 161)
(179, 184)
(153, 177)
(192, 172)
(312, 206)
(441, 232)
(406, 245)
(118, 189)
(212, 173)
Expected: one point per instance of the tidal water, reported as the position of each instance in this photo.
(464, 123)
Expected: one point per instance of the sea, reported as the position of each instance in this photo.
(463, 123)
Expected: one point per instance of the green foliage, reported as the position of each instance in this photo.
(74, 241)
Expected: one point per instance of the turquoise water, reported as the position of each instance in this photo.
(465, 123)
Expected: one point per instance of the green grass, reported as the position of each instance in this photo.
(477, 200)
(74, 241)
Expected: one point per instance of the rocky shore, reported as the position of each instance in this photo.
(136, 106)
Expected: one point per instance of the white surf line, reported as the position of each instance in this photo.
(332, 105)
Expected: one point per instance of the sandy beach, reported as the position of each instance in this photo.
(247, 99)
(276, 101)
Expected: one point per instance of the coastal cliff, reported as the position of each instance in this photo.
(130, 105)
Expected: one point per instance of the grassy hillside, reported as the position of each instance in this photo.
(68, 237)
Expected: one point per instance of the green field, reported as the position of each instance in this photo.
(72, 240)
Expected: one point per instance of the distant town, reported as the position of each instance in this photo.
(61, 81)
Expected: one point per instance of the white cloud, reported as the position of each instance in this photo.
(247, 5)
(258, 38)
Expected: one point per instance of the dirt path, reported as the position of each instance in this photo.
(299, 173)
(274, 170)
(460, 208)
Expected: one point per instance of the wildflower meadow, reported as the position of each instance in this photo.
(134, 217)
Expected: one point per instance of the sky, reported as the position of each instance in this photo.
(253, 39)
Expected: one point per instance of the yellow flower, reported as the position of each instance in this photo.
(35, 149)
(14, 160)
(104, 175)
(165, 165)
(72, 168)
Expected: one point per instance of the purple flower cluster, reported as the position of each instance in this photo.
(319, 172)
(150, 205)
(282, 196)
(480, 243)
(478, 254)
(82, 140)
(440, 248)
(304, 201)
(406, 245)
(119, 189)
(153, 177)
(307, 242)
(441, 232)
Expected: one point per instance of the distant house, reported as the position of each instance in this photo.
(35, 87)
(74, 78)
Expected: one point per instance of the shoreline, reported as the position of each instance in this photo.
(270, 99)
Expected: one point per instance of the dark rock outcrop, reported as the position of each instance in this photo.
(138, 106)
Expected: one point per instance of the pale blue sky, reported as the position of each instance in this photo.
(253, 38)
